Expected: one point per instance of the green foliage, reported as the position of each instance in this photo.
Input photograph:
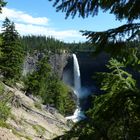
(115, 114)
(51, 45)
(63, 100)
(114, 38)
(36, 82)
(0, 47)
(42, 44)
(4, 108)
(45, 84)
(12, 52)
(37, 105)
(19, 134)
(80, 47)
(4, 111)
(111, 118)
(39, 129)
(1, 88)
(9, 82)
(88, 7)
(130, 55)
(117, 80)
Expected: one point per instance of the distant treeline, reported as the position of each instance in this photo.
(50, 44)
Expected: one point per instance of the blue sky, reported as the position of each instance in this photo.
(38, 17)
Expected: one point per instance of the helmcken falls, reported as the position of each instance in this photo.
(77, 77)
(78, 114)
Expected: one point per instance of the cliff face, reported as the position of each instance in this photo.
(31, 120)
(90, 64)
(30, 63)
(62, 65)
(57, 62)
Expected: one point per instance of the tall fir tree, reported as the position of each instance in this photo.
(12, 51)
(2, 4)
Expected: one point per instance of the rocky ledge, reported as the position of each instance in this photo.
(30, 120)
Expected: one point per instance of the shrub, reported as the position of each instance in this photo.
(4, 111)
(4, 108)
(1, 88)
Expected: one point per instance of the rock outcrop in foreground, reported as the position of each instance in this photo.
(30, 120)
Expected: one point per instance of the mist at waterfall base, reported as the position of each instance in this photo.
(81, 92)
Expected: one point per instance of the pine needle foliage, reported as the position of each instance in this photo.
(45, 84)
(122, 9)
(118, 79)
(12, 51)
(115, 114)
(127, 32)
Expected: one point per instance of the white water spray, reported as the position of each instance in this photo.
(77, 78)
(78, 114)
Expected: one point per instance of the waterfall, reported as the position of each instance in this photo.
(78, 114)
(77, 78)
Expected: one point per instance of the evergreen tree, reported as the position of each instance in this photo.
(37, 82)
(45, 84)
(114, 115)
(2, 4)
(12, 51)
(42, 44)
(0, 47)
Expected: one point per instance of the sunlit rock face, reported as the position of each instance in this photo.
(58, 63)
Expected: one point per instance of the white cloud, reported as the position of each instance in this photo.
(29, 25)
(28, 29)
(19, 16)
